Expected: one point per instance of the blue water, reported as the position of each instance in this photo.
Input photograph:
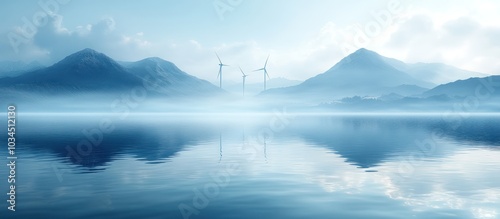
(249, 166)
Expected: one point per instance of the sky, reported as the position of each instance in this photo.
(302, 37)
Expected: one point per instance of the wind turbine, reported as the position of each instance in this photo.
(220, 70)
(244, 79)
(220, 146)
(265, 72)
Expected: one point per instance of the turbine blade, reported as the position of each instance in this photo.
(242, 71)
(266, 74)
(265, 65)
(218, 57)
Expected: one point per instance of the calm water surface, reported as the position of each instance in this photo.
(256, 167)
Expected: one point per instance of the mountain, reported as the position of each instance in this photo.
(405, 90)
(89, 71)
(16, 68)
(86, 70)
(166, 78)
(255, 88)
(362, 73)
(436, 73)
(473, 87)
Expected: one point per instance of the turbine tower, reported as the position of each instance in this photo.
(265, 72)
(244, 79)
(220, 70)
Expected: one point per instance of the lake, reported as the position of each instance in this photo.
(255, 166)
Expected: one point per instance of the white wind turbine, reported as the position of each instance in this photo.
(220, 70)
(265, 72)
(244, 79)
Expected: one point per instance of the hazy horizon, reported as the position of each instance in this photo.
(244, 33)
(245, 109)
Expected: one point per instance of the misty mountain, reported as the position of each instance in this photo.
(436, 73)
(16, 68)
(362, 73)
(474, 87)
(166, 78)
(405, 90)
(255, 88)
(88, 71)
(462, 96)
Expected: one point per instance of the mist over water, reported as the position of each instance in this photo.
(213, 109)
(288, 166)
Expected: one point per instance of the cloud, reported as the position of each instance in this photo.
(53, 41)
(461, 41)
(60, 41)
(462, 26)
(446, 190)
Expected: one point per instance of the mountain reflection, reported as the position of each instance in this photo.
(482, 130)
(150, 142)
(355, 160)
(367, 141)
(363, 141)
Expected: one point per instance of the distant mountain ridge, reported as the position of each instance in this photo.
(16, 68)
(90, 71)
(472, 87)
(369, 68)
(364, 72)
(172, 80)
(256, 88)
(436, 73)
